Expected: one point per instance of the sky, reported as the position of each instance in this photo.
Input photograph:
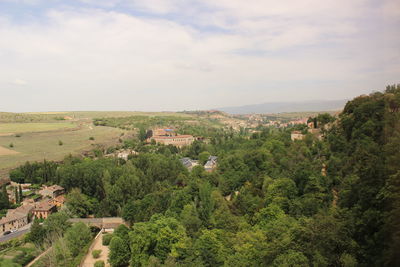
(158, 55)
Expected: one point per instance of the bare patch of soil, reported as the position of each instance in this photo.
(5, 151)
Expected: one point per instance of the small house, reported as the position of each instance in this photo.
(211, 164)
(189, 163)
(43, 209)
(52, 191)
(297, 135)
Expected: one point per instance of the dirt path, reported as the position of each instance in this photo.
(97, 244)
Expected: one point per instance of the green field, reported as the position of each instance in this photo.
(106, 114)
(39, 145)
(13, 128)
(9, 117)
(77, 115)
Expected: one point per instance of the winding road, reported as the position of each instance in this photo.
(17, 233)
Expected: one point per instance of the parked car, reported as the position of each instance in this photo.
(7, 232)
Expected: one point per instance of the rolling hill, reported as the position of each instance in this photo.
(278, 107)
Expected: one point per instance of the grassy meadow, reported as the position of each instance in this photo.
(9, 117)
(31, 146)
(17, 128)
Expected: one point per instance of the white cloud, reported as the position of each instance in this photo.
(27, 2)
(267, 51)
(19, 82)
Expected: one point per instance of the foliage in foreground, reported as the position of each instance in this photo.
(271, 202)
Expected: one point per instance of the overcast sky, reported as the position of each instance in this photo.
(192, 54)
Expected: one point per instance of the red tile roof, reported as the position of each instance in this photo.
(44, 206)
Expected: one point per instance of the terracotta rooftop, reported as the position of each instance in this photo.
(54, 188)
(15, 214)
(44, 206)
(60, 198)
(10, 218)
(24, 209)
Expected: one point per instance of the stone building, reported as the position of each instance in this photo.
(52, 191)
(189, 163)
(43, 209)
(16, 218)
(169, 137)
(178, 140)
(297, 135)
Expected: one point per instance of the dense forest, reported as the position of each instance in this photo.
(271, 201)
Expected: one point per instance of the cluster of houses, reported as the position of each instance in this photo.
(298, 135)
(51, 198)
(254, 120)
(169, 137)
(209, 166)
(122, 154)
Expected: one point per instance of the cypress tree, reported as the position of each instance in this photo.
(4, 201)
(16, 195)
(21, 197)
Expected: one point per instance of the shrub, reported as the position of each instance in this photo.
(98, 153)
(23, 258)
(106, 239)
(110, 150)
(99, 264)
(18, 135)
(8, 263)
(35, 186)
(11, 145)
(60, 143)
(96, 253)
(91, 138)
(95, 230)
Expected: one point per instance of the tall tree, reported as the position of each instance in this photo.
(78, 203)
(4, 200)
(119, 252)
(16, 195)
(21, 196)
(206, 202)
(77, 237)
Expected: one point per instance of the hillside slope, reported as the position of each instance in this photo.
(278, 107)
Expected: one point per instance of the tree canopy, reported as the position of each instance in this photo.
(329, 201)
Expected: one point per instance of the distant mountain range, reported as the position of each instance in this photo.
(279, 107)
